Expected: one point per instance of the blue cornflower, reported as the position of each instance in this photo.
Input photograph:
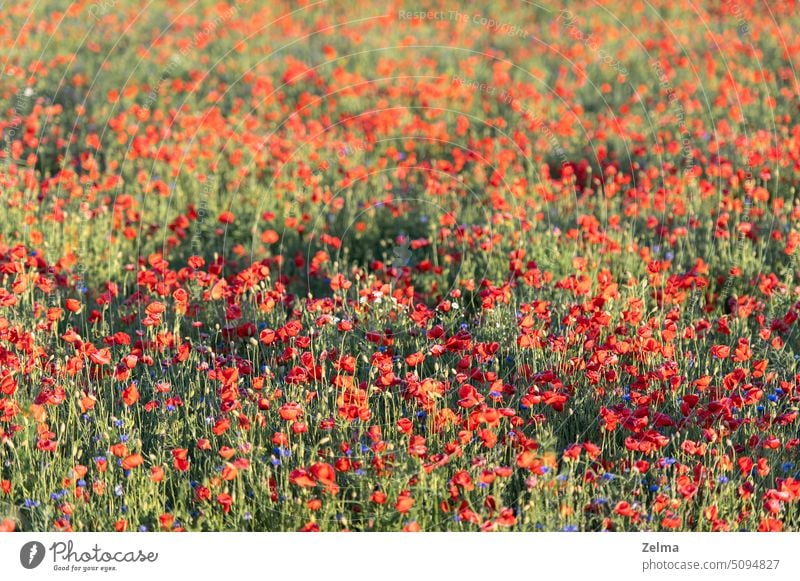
(570, 529)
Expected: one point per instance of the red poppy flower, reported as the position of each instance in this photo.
(180, 459)
(130, 395)
(132, 461)
(302, 478)
(404, 502)
(226, 501)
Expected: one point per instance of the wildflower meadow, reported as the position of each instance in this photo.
(385, 266)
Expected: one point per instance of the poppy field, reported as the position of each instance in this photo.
(384, 266)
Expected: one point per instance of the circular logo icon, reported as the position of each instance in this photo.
(31, 554)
